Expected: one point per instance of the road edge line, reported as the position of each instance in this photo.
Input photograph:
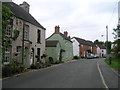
(101, 76)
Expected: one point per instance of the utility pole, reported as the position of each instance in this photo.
(107, 40)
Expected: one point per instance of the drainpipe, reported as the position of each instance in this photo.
(23, 43)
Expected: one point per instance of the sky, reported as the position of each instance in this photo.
(85, 19)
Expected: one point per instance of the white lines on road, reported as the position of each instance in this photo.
(101, 76)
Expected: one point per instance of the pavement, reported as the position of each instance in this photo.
(87, 73)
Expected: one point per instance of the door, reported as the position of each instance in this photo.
(38, 54)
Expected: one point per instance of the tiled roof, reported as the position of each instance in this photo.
(67, 38)
(85, 42)
(52, 43)
(22, 14)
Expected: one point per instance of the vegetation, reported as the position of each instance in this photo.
(16, 34)
(12, 69)
(107, 44)
(7, 15)
(116, 48)
(115, 63)
(76, 57)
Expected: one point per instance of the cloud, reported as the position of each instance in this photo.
(83, 18)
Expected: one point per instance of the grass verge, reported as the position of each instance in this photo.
(115, 63)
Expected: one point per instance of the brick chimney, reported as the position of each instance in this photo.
(57, 29)
(66, 33)
(25, 6)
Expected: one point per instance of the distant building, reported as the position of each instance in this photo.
(101, 51)
(34, 36)
(66, 52)
(82, 47)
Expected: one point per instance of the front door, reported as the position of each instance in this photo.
(25, 56)
(38, 54)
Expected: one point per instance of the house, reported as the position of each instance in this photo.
(29, 46)
(82, 47)
(101, 50)
(53, 50)
(65, 42)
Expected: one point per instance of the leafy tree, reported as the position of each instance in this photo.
(7, 15)
(108, 44)
(97, 42)
(116, 43)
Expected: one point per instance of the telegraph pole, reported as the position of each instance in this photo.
(107, 40)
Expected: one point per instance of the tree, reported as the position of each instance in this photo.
(7, 15)
(108, 44)
(116, 43)
(97, 42)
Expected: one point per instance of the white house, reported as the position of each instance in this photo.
(29, 46)
(101, 51)
(76, 49)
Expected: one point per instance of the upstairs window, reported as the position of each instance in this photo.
(38, 36)
(26, 32)
(9, 31)
(18, 49)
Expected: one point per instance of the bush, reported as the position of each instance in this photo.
(11, 69)
(75, 57)
(33, 66)
(7, 71)
(50, 59)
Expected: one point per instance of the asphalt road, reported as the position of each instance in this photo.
(77, 74)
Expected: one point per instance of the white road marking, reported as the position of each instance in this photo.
(101, 76)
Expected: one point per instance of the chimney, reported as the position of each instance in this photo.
(66, 33)
(25, 6)
(57, 29)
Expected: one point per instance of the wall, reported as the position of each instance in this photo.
(76, 50)
(32, 37)
(66, 45)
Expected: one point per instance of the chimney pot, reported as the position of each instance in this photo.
(57, 29)
(66, 33)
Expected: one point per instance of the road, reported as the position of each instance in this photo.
(77, 74)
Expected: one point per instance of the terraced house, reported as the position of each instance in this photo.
(29, 46)
(82, 47)
(66, 51)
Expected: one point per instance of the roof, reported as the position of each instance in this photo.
(85, 42)
(52, 43)
(102, 47)
(65, 37)
(22, 14)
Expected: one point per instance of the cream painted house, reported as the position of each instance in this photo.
(34, 36)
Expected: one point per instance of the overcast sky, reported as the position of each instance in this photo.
(86, 19)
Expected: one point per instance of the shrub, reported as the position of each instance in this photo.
(50, 59)
(75, 57)
(33, 66)
(7, 71)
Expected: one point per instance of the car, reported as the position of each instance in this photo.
(96, 56)
(90, 56)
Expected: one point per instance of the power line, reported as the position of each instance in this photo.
(113, 12)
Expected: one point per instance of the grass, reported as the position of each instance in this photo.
(115, 63)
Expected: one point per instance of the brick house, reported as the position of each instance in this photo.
(82, 47)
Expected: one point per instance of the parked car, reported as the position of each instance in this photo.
(90, 56)
(96, 56)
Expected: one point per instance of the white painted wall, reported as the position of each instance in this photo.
(75, 47)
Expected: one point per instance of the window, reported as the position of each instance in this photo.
(18, 49)
(7, 54)
(26, 32)
(38, 36)
(9, 31)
